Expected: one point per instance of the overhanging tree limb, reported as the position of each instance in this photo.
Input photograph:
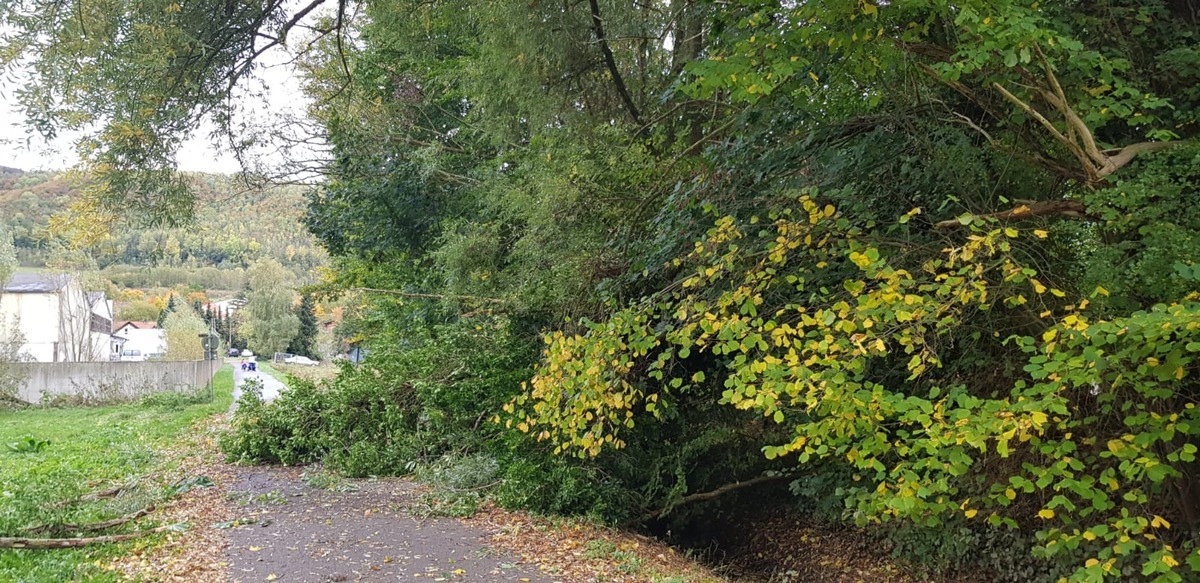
(611, 62)
(1079, 139)
(427, 296)
(721, 491)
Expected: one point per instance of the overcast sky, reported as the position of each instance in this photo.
(19, 149)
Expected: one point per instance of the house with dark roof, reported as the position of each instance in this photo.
(57, 320)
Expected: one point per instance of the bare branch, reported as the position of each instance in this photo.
(727, 488)
(72, 543)
(1030, 210)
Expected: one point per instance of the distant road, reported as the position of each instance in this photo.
(271, 386)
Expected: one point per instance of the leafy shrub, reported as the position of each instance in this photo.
(27, 444)
(358, 422)
(1072, 425)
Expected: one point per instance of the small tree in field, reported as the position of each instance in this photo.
(183, 328)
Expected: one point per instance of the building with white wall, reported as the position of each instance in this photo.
(53, 316)
(145, 338)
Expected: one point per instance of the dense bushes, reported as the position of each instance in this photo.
(354, 424)
(429, 406)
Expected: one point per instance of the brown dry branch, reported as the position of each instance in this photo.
(7, 542)
(95, 526)
(91, 497)
(1027, 210)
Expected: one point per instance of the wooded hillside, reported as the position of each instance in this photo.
(234, 226)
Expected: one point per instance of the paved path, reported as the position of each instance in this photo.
(271, 386)
(358, 531)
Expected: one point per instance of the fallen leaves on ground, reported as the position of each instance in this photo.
(790, 546)
(573, 551)
(195, 555)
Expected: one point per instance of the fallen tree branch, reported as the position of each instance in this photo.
(95, 526)
(91, 497)
(709, 495)
(73, 543)
(1026, 211)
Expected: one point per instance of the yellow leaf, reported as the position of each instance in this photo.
(971, 513)
(1040, 234)
(1045, 514)
(1089, 535)
(1010, 232)
(814, 77)
(1091, 563)
(1010, 494)
(1170, 561)
(1100, 290)
(272, 577)
(1159, 522)
(255, 549)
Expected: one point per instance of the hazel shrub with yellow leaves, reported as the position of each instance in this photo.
(1077, 428)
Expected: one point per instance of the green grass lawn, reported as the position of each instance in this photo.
(89, 450)
(268, 368)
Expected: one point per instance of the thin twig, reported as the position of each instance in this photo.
(427, 296)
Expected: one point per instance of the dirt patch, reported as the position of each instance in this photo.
(786, 546)
(576, 551)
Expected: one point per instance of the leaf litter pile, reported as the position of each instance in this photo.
(194, 554)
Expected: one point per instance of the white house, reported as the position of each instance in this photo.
(145, 338)
(53, 315)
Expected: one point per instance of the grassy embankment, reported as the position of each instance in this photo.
(89, 450)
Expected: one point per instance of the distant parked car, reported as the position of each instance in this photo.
(233, 352)
(301, 360)
(132, 356)
(246, 352)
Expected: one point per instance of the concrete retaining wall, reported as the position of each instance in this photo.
(102, 382)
